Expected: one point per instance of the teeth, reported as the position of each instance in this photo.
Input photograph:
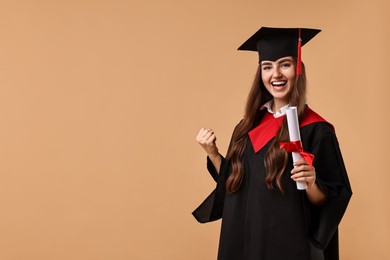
(278, 83)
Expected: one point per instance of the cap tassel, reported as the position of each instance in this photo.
(299, 59)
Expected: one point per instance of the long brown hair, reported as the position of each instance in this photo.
(275, 159)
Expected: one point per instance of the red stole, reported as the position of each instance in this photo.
(269, 126)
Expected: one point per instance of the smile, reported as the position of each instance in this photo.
(279, 83)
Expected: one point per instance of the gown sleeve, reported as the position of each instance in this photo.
(333, 180)
(212, 207)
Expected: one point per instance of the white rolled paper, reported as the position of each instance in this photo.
(293, 130)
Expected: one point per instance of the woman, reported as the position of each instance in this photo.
(264, 216)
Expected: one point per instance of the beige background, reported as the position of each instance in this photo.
(100, 102)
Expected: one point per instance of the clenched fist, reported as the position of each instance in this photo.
(207, 139)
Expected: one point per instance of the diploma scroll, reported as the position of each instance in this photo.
(293, 130)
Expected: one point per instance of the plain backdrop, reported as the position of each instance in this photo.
(100, 103)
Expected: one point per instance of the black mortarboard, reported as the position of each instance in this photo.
(275, 43)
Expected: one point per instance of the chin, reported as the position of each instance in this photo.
(280, 96)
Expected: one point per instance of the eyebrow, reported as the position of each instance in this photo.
(280, 61)
(286, 59)
(266, 63)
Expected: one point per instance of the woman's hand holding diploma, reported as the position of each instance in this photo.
(303, 172)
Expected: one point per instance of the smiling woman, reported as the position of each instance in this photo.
(278, 78)
(263, 214)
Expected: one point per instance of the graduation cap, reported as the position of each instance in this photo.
(275, 43)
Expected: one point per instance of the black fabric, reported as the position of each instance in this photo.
(212, 207)
(277, 46)
(316, 253)
(263, 224)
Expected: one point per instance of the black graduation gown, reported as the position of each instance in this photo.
(263, 224)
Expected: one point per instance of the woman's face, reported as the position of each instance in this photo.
(278, 78)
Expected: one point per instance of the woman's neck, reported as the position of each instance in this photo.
(277, 104)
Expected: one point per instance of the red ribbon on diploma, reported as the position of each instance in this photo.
(296, 147)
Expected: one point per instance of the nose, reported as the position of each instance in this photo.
(277, 73)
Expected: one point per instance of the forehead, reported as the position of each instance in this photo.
(282, 59)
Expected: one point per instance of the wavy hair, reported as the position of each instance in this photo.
(275, 159)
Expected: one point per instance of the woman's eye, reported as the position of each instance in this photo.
(286, 65)
(266, 67)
